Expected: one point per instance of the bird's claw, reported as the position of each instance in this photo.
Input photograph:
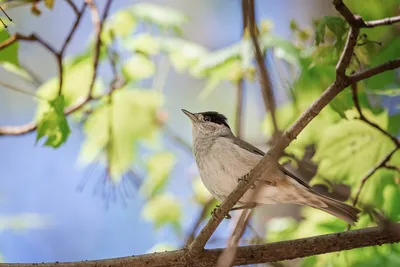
(227, 216)
(253, 186)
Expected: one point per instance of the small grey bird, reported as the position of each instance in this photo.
(222, 159)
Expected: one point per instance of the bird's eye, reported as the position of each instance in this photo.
(206, 118)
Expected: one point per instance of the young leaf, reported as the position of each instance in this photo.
(320, 32)
(9, 54)
(133, 118)
(162, 16)
(54, 124)
(349, 149)
(138, 67)
(162, 210)
(159, 167)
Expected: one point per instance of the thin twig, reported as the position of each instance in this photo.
(266, 85)
(392, 167)
(206, 207)
(365, 74)
(381, 22)
(371, 172)
(354, 88)
(228, 255)
(60, 55)
(98, 25)
(73, 6)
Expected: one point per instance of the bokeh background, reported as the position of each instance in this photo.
(53, 207)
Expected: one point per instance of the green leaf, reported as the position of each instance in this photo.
(348, 149)
(76, 82)
(9, 54)
(159, 167)
(163, 209)
(144, 43)
(53, 124)
(138, 67)
(182, 53)
(162, 16)
(320, 33)
(136, 106)
(121, 24)
(336, 24)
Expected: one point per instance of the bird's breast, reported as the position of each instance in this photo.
(222, 164)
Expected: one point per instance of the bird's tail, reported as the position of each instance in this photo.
(339, 209)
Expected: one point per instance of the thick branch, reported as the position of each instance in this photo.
(272, 252)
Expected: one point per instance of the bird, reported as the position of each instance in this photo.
(223, 160)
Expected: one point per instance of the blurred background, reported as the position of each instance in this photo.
(85, 201)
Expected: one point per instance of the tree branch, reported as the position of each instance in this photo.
(365, 74)
(266, 86)
(381, 22)
(73, 6)
(364, 119)
(279, 251)
(268, 163)
(98, 25)
(371, 172)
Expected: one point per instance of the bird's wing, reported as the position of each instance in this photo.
(253, 149)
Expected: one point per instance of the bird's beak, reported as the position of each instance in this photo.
(191, 116)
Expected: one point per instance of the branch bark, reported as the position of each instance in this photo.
(272, 252)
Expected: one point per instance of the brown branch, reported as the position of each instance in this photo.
(267, 163)
(364, 119)
(365, 74)
(266, 85)
(197, 223)
(228, 255)
(98, 25)
(73, 6)
(253, 254)
(59, 56)
(371, 172)
(239, 108)
(28, 38)
(392, 167)
(381, 22)
(353, 20)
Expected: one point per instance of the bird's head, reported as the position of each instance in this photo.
(208, 124)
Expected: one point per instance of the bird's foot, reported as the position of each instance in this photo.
(244, 178)
(227, 216)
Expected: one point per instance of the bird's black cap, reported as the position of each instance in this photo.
(215, 117)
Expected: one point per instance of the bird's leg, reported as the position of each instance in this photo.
(247, 206)
(227, 216)
(253, 186)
